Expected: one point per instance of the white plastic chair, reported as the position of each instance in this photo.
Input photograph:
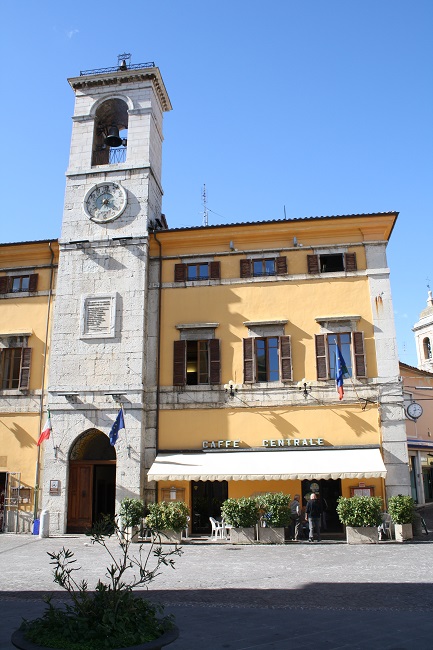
(384, 529)
(186, 529)
(217, 531)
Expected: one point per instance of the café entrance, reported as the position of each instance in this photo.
(207, 497)
(329, 490)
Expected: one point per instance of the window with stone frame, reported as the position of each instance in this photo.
(196, 362)
(262, 267)
(15, 368)
(19, 283)
(267, 359)
(331, 262)
(352, 348)
(197, 271)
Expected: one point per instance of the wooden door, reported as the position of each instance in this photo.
(80, 497)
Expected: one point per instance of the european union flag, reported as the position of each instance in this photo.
(340, 371)
(118, 425)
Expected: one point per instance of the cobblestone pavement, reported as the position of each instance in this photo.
(328, 595)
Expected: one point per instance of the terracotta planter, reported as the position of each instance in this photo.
(403, 532)
(362, 535)
(242, 535)
(271, 535)
(18, 641)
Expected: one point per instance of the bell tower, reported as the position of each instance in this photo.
(99, 349)
(423, 331)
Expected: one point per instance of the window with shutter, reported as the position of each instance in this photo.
(25, 368)
(214, 270)
(245, 268)
(15, 368)
(313, 263)
(350, 262)
(33, 282)
(180, 272)
(286, 358)
(281, 263)
(359, 354)
(4, 284)
(214, 361)
(321, 357)
(248, 361)
(179, 363)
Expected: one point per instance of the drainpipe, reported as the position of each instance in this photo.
(159, 348)
(44, 366)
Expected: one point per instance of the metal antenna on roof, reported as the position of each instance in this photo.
(205, 213)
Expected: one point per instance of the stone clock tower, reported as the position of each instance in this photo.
(100, 357)
(423, 331)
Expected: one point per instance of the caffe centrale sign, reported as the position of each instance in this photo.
(281, 442)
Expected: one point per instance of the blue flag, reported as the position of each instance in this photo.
(118, 425)
(340, 371)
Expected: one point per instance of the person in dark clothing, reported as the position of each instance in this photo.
(313, 513)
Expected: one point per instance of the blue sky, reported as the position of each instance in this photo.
(324, 108)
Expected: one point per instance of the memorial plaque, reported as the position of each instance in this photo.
(98, 316)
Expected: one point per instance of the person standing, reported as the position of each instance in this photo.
(295, 515)
(313, 513)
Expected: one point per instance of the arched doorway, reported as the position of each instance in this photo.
(92, 481)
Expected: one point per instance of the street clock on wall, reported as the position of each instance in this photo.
(414, 410)
(105, 202)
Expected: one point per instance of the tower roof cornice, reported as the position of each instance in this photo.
(121, 77)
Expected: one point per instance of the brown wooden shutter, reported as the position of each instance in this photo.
(321, 357)
(179, 363)
(350, 262)
(359, 354)
(286, 358)
(214, 361)
(214, 270)
(26, 355)
(33, 282)
(281, 264)
(248, 361)
(245, 270)
(180, 272)
(4, 284)
(313, 263)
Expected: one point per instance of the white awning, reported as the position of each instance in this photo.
(268, 465)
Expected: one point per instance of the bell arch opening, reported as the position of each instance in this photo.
(110, 135)
(92, 481)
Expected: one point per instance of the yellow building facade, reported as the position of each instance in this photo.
(250, 317)
(27, 279)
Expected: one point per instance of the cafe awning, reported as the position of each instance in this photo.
(272, 465)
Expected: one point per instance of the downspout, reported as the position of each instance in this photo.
(44, 366)
(159, 349)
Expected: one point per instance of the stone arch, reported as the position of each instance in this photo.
(92, 480)
(426, 344)
(112, 112)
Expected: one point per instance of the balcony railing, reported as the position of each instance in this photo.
(109, 156)
(135, 66)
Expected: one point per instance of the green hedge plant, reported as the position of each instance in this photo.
(240, 513)
(167, 515)
(402, 509)
(131, 512)
(274, 509)
(360, 511)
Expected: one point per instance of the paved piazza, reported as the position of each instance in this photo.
(327, 595)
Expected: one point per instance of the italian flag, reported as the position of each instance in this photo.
(46, 431)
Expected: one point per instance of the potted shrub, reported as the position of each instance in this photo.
(131, 514)
(402, 510)
(275, 516)
(361, 516)
(111, 616)
(167, 520)
(242, 514)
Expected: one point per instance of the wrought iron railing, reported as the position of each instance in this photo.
(118, 68)
(109, 156)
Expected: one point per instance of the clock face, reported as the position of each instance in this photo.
(105, 202)
(414, 410)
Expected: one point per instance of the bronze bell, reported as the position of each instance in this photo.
(113, 139)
